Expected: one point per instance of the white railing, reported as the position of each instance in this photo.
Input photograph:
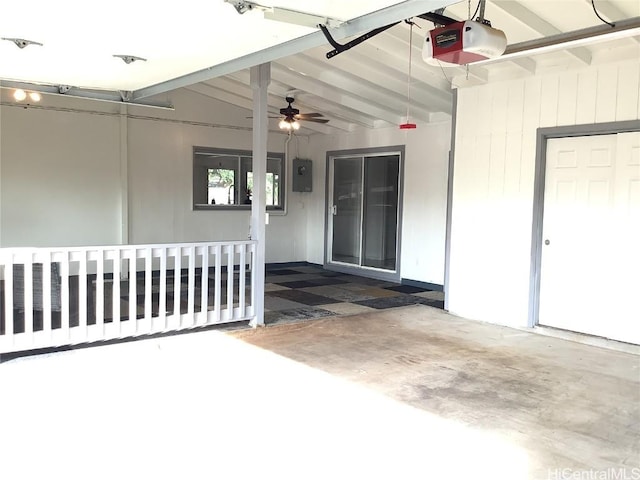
(63, 296)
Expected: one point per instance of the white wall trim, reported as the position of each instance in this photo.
(447, 242)
(124, 176)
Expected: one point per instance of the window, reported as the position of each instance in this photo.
(223, 179)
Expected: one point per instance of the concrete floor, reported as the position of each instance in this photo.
(398, 394)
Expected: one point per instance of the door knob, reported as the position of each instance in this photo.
(547, 242)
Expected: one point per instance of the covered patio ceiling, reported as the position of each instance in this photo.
(207, 47)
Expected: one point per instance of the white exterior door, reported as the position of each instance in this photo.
(590, 272)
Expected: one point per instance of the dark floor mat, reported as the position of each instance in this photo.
(302, 297)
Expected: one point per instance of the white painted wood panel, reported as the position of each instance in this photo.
(567, 98)
(606, 94)
(481, 210)
(516, 92)
(549, 101)
(628, 92)
(587, 87)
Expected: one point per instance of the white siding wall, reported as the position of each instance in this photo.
(425, 194)
(60, 176)
(494, 176)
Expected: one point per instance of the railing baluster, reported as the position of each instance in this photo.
(230, 268)
(115, 292)
(148, 313)
(28, 295)
(133, 295)
(64, 295)
(191, 283)
(177, 280)
(218, 282)
(100, 292)
(253, 277)
(47, 300)
(242, 278)
(162, 304)
(8, 300)
(82, 296)
(204, 284)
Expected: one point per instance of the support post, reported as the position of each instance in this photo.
(260, 79)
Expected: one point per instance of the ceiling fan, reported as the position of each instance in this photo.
(292, 116)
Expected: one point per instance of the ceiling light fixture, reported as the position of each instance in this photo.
(19, 95)
(130, 58)
(243, 6)
(289, 123)
(21, 42)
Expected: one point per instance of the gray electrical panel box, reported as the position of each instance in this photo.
(302, 178)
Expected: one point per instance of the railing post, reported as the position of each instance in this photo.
(260, 79)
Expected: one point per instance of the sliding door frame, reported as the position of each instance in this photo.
(364, 271)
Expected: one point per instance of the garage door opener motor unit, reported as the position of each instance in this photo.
(463, 42)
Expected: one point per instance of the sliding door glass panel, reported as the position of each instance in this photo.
(347, 210)
(380, 218)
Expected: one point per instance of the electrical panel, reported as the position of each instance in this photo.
(302, 178)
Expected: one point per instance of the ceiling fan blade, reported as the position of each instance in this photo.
(312, 114)
(315, 120)
(267, 117)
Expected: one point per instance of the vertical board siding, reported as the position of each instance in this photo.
(628, 98)
(606, 94)
(567, 99)
(495, 149)
(549, 101)
(587, 87)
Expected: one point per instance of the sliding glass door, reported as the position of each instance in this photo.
(364, 211)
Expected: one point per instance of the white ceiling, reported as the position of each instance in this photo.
(363, 87)
(176, 38)
(367, 85)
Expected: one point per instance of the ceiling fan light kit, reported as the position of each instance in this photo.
(289, 124)
(291, 116)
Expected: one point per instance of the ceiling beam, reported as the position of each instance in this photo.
(276, 102)
(245, 103)
(320, 89)
(365, 68)
(610, 12)
(527, 64)
(385, 16)
(375, 94)
(364, 80)
(599, 33)
(89, 94)
(525, 16)
(381, 54)
(330, 110)
(607, 10)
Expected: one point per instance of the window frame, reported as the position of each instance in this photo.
(201, 166)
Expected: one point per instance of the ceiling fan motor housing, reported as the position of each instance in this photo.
(461, 43)
(289, 111)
